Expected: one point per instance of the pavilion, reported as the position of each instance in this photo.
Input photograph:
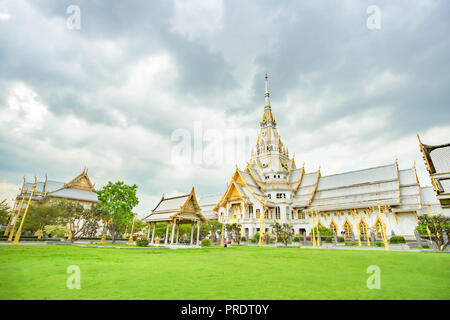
(176, 211)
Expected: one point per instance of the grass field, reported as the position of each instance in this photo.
(39, 272)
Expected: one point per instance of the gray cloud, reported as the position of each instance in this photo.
(114, 91)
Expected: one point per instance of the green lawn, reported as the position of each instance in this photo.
(39, 272)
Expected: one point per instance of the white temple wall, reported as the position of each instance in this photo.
(406, 225)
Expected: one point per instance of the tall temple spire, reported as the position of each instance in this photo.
(268, 118)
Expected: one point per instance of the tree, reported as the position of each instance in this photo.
(234, 229)
(117, 199)
(40, 216)
(214, 227)
(267, 237)
(4, 212)
(435, 225)
(286, 233)
(92, 218)
(82, 222)
(139, 226)
(276, 230)
(324, 232)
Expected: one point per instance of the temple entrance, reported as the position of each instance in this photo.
(363, 229)
(347, 229)
(379, 226)
(333, 227)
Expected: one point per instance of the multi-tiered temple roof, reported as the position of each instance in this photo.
(271, 170)
(437, 160)
(78, 189)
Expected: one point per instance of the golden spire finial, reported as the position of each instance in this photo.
(266, 93)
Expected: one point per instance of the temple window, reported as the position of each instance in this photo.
(277, 213)
(257, 214)
(300, 214)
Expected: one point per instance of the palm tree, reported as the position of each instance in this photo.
(286, 233)
(276, 230)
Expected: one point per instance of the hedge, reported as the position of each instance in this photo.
(206, 242)
(142, 242)
(397, 239)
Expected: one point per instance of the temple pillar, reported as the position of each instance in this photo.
(167, 233)
(153, 233)
(198, 232)
(178, 233)
(192, 234)
(174, 225)
(148, 233)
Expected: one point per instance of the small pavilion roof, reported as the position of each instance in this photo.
(183, 207)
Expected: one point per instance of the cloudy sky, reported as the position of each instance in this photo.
(117, 94)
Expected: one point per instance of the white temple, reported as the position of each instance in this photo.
(271, 188)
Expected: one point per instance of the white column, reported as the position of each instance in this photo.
(167, 233)
(178, 233)
(192, 233)
(148, 233)
(198, 232)
(153, 233)
(174, 225)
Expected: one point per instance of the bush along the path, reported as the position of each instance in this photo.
(206, 242)
(397, 239)
(142, 242)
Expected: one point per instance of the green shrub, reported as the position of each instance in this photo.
(425, 246)
(323, 231)
(142, 242)
(379, 244)
(256, 236)
(329, 240)
(341, 239)
(243, 239)
(55, 231)
(206, 242)
(397, 239)
(296, 239)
